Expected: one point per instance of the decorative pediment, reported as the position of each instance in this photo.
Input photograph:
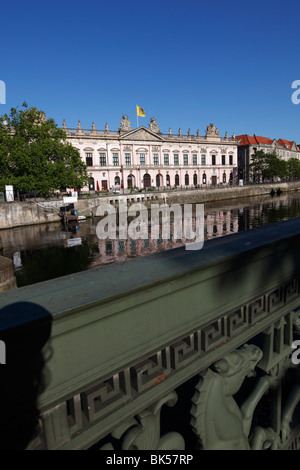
(141, 133)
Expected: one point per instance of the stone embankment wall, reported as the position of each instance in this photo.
(16, 214)
(219, 194)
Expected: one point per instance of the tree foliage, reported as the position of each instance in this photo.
(34, 154)
(268, 166)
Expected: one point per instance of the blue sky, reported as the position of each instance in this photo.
(187, 63)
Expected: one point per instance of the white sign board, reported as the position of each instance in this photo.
(69, 199)
(9, 193)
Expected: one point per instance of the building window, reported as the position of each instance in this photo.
(223, 160)
(176, 159)
(130, 181)
(224, 177)
(230, 159)
(186, 180)
(168, 180)
(194, 159)
(127, 159)
(158, 180)
(195, 179)
(176, 180)
(115, 159)
(102, 159)
(185, 159)
(89, 159)
(155, 159)
(204, 178)
(213, 159)
(203, 159)
(142, 159)
(147, 180)
(166, 159)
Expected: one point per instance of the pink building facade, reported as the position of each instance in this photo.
(144, 157)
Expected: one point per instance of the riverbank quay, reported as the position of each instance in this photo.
(18, 214)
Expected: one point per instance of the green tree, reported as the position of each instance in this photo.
(293, 168)
(267, 166)
(35, 155)
(257, 166)
(275, 167)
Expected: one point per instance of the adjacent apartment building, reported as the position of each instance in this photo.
(145, 157)
(249, 145)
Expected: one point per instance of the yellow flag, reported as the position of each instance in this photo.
(140, 111)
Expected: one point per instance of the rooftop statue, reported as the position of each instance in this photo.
(153, 126)
(125, 124)
(212, 130)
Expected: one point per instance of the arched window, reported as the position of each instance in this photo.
(130, 181)
(204, 178)
(186, 180)
(176, 180)
(147, 180)
(117, 180)
(224, 177)
(168, 180)
(195, 179)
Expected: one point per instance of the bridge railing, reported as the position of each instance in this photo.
(93, 357)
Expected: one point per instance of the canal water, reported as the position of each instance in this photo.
(47, 251)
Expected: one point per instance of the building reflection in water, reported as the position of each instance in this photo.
(216, 224)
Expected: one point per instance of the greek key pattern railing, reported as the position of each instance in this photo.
(97, 409)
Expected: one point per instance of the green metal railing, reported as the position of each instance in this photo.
(95, 357)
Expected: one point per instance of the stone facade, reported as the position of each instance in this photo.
(144, 157)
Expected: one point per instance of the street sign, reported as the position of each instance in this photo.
(9, 193)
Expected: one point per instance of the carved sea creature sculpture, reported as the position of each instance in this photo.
(218, 421)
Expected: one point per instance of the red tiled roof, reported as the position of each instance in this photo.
(246, 139)
(285, 143)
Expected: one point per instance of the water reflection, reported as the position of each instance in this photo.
(48, 251)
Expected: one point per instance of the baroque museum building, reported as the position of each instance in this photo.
(144, 157)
